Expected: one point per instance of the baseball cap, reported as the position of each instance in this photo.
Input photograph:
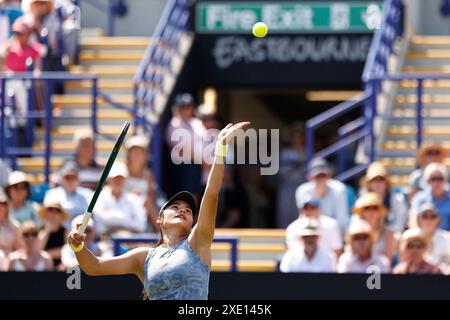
(119, 169)
(183, 99)
(317, 166)
(183, 196)
(309, 227)
(427, 206)
(137, 141)
(308, 199)
(69, 167)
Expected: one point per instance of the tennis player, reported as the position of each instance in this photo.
(179, 267)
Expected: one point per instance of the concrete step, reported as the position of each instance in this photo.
(85, 100)
(106, 71)
(245, 265)
(426, 98)
(102, 113)
(107, 57)
(115, 42)
(437, 69)
(426, 112)
(407, 145)
(407, 131)
(427, 84)
(426, 40)
(103, 84)
(428, 54)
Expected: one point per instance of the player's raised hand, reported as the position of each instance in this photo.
(230, 131)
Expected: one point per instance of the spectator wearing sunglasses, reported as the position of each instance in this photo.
(360, 254)
(370, 208)
(428, 153)
(31, 257)
(19, 191)
(428, 221)
(413, 248)
(53, 235)
(73, 198)
(68, 257)
(10, 239)
(436, 192)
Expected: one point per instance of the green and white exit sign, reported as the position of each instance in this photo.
(289, 17)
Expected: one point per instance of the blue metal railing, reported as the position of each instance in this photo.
(152, 238)
(375, 68)
(46, 114)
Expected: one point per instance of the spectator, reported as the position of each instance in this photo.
(10, 238)
(141, 180)
(369, 207)
(31, 257)
(428, 153)
(184, 137)
(310, 256)
(53, 235)
(413, 246)
(330, 236)
(436, 192)
(331, 193)
(4, 173)
(73, 198)
(377, 180)
(89, 171)
(438, 252)
(291, 175)
(361, 255)
(118, 209)
(68, 258)
(233, 202)
(19, 191)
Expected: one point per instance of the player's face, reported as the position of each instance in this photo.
(178, 213)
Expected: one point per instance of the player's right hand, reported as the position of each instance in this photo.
(74, 238)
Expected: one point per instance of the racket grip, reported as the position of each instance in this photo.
(87, 215)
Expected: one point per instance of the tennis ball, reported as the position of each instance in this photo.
(260, 29)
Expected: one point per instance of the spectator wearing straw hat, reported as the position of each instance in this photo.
(428, 153)
(19, 191)
(436, 192)
(377, 180)
(141, 180)
(31, 257)
(438, 251)
(73, 198)
(361, 255)
(331, 193)
(10, 238)
(53, 235)
(413, 247)
(369, 207)
(330, 235)
(310, 256)
(116, 208)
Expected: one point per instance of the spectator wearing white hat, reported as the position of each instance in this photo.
(436, 177)
(31, 257)
(141, 180)
(310, 257)
(116, 208)
(53, 236)
(332, 193)
(73, 198)
(10, 238)
(413, 246)
(68, 258)
(19, 191)
(89, 171)
(330, 236)
(438, 251)
(361, 255)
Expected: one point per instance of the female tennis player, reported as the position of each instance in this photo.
(179, 267)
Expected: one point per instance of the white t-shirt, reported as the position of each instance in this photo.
(334, 204)
(2, 261)
(349, 263)
(439, 251)
(330, 235)
(127, 212)
(295, 260)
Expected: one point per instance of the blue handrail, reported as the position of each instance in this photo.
(152, 238)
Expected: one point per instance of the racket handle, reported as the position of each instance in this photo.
(87, 215)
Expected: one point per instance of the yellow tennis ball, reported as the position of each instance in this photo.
(260, 29)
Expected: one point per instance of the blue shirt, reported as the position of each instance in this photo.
(175, 273)
(443, 205)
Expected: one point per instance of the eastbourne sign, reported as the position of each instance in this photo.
(289, 17)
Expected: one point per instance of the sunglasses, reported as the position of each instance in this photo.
(71, 177)
(309, 207)
(378, 179)
(433, 153)
(436, 178)
(321, 176)
(429, 215)
(54, 210)
(19, 186)
(361, 237)
(417, 246)
(30, 234)
(371, 208)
